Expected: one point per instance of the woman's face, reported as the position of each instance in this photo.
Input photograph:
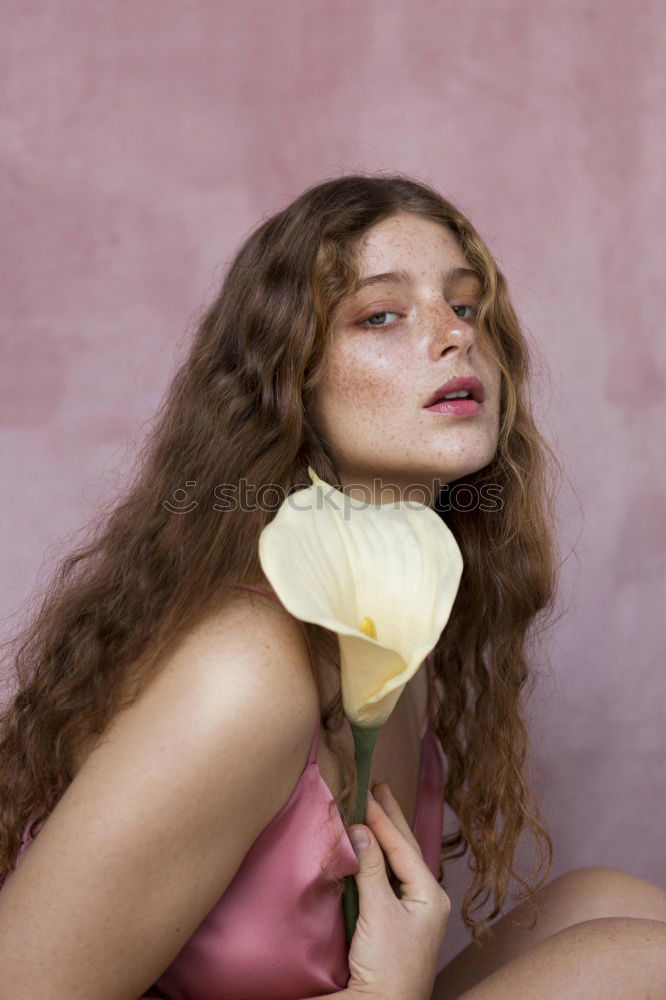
(393, 343)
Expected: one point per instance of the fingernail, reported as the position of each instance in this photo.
(370, 795)
(359, 839)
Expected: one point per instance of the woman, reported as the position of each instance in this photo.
(166, 721)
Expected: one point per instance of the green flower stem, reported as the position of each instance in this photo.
(365, 738)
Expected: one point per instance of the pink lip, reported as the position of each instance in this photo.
(456, 407)
(461, 383)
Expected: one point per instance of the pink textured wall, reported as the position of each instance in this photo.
(143, 141)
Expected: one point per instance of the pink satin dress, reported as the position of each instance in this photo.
(278, 932)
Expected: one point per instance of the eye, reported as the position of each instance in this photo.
(374, 315)
(472, 308)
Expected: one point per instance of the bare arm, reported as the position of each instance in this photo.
(156, 823)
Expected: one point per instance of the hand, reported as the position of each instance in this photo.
(396, 943)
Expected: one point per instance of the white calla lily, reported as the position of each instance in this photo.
(384, 577)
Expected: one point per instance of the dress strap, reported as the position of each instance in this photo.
(431, 692)
(312, 755)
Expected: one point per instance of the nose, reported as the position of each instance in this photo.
(448, 332)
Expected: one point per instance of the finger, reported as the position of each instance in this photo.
(391, 807)
(404, 860)
(373, 876)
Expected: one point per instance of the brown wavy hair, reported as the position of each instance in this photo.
(239, 407)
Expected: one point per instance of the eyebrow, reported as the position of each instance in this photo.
(402, 277)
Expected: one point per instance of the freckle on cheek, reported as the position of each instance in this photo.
(356, 385)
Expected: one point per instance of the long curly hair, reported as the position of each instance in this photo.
(238, 407)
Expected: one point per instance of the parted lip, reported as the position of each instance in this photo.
(467, 383)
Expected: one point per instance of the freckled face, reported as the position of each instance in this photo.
(392, 345)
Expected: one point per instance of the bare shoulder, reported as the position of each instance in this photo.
(159, 817)
(255, 646)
